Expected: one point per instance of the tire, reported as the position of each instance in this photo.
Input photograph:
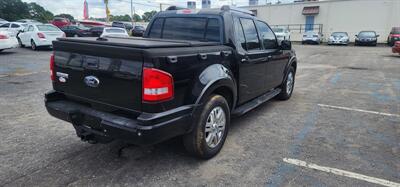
(287, 86)
(196, 141)
(33, 45)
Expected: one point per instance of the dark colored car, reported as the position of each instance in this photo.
(60, 22)
(124, 25)
(138, 31)
(96, 31)
(366, 38)
(76, 31)
(394, 36)
(189, 74)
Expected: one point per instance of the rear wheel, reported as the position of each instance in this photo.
(288, 85)
(33, 45)
(210, 129)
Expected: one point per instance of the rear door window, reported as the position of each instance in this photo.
(14, 26)
(156, 28)
(5, 25)
(250, 34)
(239, 33)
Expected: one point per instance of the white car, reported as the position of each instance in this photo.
(311, 37)
(3, 21)
(13, 28)
(339, 38)
(40, 35)
(114, 32)
(7, 41)
(282, 33)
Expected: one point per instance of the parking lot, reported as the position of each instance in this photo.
(344, 115)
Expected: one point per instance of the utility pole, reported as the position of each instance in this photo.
(160, 7)
(132, 20)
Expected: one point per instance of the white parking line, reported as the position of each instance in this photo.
(340, 172)
(359, 110)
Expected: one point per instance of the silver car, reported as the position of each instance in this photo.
(339, 38)
(311, 37)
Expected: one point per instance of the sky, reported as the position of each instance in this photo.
(122, 7)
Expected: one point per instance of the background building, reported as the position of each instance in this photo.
(349, 16)
(205, 3)
(191, 4)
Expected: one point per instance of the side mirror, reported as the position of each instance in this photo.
(377, 35)
(356, 35)
(286, 45)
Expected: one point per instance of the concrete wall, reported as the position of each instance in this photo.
(349, 16)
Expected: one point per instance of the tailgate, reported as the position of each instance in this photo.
(101, 75)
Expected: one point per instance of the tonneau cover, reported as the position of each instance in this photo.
(139, 42)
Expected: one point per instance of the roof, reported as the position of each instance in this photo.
(311, 10)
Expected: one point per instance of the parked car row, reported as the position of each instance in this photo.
(341, 38)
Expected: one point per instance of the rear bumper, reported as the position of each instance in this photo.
(338, 42)
(366, 42)
(396, 50)
(103, 127)
(9, 43)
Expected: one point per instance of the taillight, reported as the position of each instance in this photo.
(3, 36)
(157, 85)
(41, 35)
(52, 73)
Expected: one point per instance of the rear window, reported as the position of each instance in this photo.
(367, 34)
(47, 28)
(339, 34)
(199, 29)
(115, 31)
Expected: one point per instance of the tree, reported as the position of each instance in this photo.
(38, 13)
(125, 17)
(136, 18)
(12, 10)
(147, 16)
(68, 16)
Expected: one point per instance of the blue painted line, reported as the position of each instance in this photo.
(335, 78)
(295, 150)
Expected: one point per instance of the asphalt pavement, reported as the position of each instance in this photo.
(342, 122)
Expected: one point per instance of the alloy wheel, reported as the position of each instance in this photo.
(289, 83)
(215, 127)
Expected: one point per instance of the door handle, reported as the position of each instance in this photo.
(246, 59)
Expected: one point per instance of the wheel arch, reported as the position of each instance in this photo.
(215, 79)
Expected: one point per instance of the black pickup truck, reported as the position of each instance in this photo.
(192, 71)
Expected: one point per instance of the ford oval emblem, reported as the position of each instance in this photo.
(91, 81)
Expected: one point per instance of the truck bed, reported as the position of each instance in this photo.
(144, 43)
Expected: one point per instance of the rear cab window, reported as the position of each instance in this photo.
(194, 28)
(250, 34)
